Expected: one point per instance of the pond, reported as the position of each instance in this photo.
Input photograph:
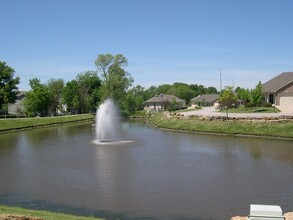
(161, 175)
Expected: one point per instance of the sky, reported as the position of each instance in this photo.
(165, 41)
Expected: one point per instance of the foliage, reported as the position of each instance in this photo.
(115, 79)
(267, 104)
(8, 85)
(243, 94)
(38, 99)
(227, 99)
(134, 100)
(70, 96)
(256, 97)
(171, 105)
(55, 87)
(89, 95)
(82, 95)
(181, 90)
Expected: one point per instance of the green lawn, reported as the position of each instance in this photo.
(269, 129)
(243, 109)
(41, 214)
(22, 123)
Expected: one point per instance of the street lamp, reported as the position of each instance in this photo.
(215, 67)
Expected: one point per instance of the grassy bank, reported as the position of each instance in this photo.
(41, 214)
(25, 123)
(268, 129)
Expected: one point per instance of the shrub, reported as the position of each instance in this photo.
(249, 105)
(267, 104)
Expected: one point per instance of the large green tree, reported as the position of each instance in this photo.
(70, 96)
(8, 85)
(38, 99)
(89, 94)
(115, 79)
(183, 91)
(134, 100)
(82, 94)
(227, 99)
(55, 87)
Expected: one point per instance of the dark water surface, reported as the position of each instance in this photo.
(162, 175)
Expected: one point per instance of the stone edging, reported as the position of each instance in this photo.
(281, 118)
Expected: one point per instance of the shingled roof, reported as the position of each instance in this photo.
(163, 98)
(278, 82)
(207, 98)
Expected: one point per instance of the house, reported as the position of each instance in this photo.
(279, 91)
(206, 100)
(17, 107)
(159, 102)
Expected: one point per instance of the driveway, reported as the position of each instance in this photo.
(210, 111)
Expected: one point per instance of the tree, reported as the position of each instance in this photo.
(82, 94)
(55, 87)
(8, 85)
(165, 89)
(243, 94)
(211, 90)
(115, 79)
(150, 92)
(183, 91)
(227, 99)
(70, 96)
(198, 89)
(38, 99)
(256, 95)
(134, 100)
(89, 94)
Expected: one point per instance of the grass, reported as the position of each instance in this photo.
(269, 129)
(243, 109)
(24, 123)
(188, 109)
(47, 215)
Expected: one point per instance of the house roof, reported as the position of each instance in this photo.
(207, 98)
(278, 82)
(163, 98)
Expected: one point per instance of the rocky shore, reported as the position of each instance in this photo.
(277, 118)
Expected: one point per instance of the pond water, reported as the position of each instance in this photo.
(161, 175)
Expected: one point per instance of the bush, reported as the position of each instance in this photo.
(249, 105)
(267, 104)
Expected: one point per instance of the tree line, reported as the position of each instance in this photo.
(85, 93)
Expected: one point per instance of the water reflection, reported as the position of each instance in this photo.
(162, 175)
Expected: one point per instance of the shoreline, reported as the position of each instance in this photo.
(269, 130)
(21, 124)
(225, 134)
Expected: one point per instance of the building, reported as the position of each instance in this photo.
(279, 91)
(159, 102)
(17, 107)
(206, 100)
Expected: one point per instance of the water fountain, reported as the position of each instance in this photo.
(108, 124)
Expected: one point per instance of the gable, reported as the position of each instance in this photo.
(287, 89)
(278, 82)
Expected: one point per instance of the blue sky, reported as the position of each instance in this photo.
(165, 41)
